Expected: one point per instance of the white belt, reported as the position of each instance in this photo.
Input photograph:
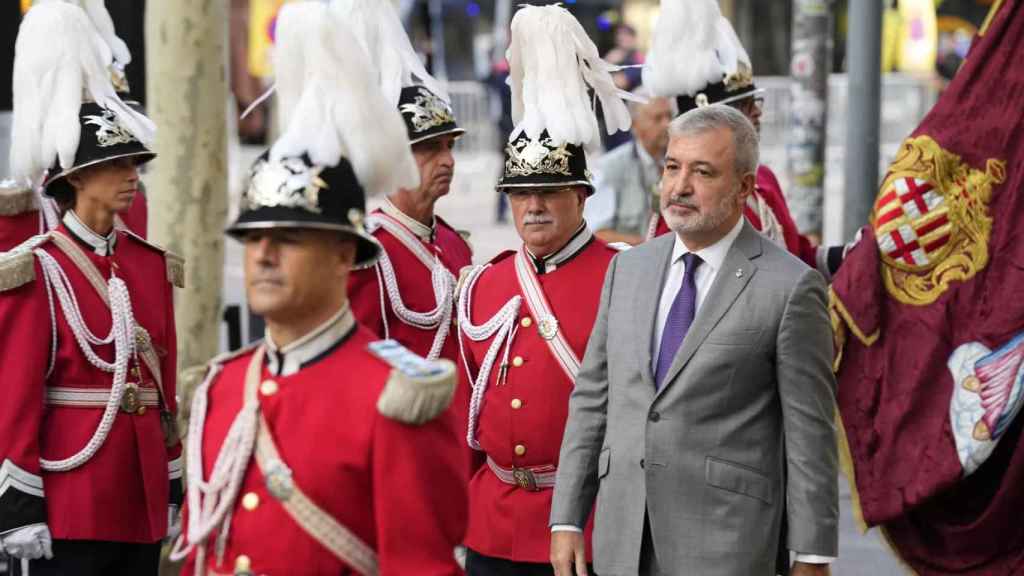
(533, 478)
(132, 400)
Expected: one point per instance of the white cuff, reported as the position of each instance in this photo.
(814, 559)
(566, 528)
(174, 469)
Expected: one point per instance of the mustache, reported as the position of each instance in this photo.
(538, 219)
(682, 201)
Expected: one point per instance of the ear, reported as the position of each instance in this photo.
(75, 179)
(747, 186)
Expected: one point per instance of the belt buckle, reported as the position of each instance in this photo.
(131, 401)
(525, 479)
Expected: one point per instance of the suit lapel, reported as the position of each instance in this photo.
(731, 279)
(649, 294)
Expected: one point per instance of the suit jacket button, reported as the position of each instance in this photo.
(654, 417)
(641, 462)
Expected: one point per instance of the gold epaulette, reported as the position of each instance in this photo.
(175, 264)
(418, 389)
(17, 266)
(16, 198)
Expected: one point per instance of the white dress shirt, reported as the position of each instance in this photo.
(713, 257)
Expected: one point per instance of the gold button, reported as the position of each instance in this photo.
(520, 449)
(268, 388)
(243, 564)
(141, 410)
(517, 403)
(527, 322)
(250, 501)
(517, 361)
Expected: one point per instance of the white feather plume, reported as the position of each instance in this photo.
(60, 60)
(552, 65)
(731, 53)
(380, 32)
(100, 17)
(682, 58)
(330, 104)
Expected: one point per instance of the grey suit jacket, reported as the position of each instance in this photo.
(740, 434)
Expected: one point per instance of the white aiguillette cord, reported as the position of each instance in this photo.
(122, 335)
(210, 501)
(442, 281)
(502, 326)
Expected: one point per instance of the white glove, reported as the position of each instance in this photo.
(856, 240)
(30, 542)
(173, 523)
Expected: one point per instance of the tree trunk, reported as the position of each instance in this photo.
(811, 61)
(187, 88)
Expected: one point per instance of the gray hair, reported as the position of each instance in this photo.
(714, 117)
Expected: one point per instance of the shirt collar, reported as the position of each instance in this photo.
(102, 245)
(713, 256)
(422, 231)
(289, 359)
(580, 239)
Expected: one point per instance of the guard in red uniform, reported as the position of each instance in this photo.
(321, 450)
(409, 294)
(90, 469)
(525, 317)
(766, 208)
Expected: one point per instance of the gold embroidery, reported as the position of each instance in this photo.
(428, 111)
(290, 183)
(931, 220)
(528, 157)
(109, 131)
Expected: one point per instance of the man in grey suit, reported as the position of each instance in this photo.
(702, 415)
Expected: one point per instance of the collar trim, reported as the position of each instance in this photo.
(288, 360)
(580, 239)
(101, 245)
(422, 231)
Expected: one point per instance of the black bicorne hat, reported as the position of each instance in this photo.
(717, 93)
(295, 193)
(103, 138)
(539, 163)
(426, 114)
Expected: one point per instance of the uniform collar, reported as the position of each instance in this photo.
(574, 246)
(714, 255)
(101, 245)
(314, 346)
(422, 231)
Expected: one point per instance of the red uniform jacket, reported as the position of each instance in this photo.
(770, 192)
(397, 487)
(122, 493)
(531, 407)
(366, 291)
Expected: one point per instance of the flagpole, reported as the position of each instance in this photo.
(864, 77)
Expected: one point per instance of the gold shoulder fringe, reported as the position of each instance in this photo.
(16, 269)
(418, 399)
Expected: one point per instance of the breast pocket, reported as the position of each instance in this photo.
(737, 337)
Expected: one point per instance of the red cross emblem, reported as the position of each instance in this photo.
(912, 223)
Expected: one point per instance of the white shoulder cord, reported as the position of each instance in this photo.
(442, 280)
(122, 332)
(503, 324)
(210, 502)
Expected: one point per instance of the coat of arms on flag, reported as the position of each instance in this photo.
(931, 220)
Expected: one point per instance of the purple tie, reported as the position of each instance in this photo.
(680, 316)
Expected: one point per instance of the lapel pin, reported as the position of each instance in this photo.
(739, 273)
